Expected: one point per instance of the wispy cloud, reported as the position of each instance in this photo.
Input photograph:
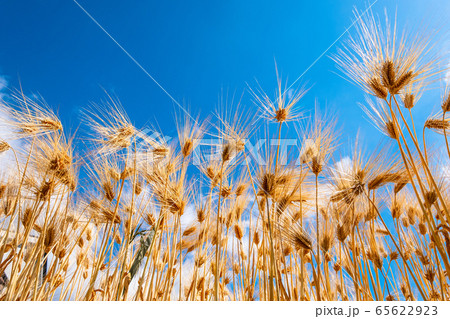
(3, 83)
(6, 159)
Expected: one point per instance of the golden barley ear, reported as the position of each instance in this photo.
(4, 146)
(446, 104)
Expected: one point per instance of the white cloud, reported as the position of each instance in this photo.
(6, 158)
(3, 83)
(447, 73)
(446, 172)
(8, 163)
(447, 76)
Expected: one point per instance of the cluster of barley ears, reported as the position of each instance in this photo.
(110, 223)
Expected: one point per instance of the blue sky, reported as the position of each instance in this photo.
(195, 49)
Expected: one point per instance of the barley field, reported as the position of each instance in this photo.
(102, 215)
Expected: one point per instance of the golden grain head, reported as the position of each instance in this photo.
(408, 101)
(438, 125)
(388, 74)
(4, 146)
(2, 190)
(190, 230)
(377, 88)
(239, 233)
(446, 104)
